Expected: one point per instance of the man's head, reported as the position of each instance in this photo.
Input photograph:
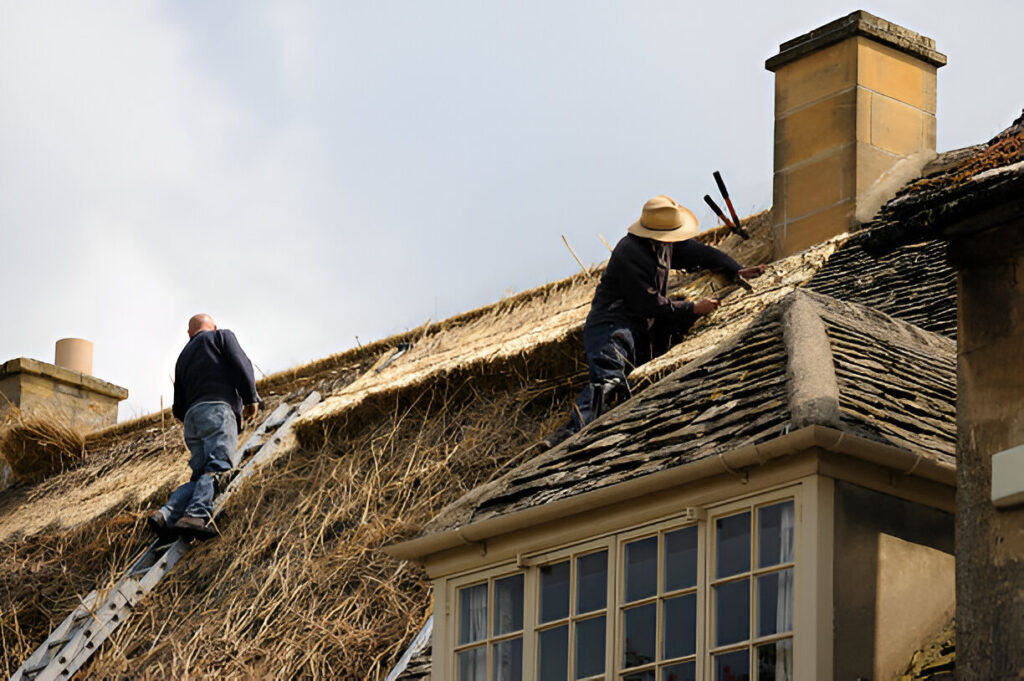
(200, 322)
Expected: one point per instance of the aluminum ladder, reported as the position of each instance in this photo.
(81, 634)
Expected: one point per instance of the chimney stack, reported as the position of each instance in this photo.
(853, 99)
(65, 387)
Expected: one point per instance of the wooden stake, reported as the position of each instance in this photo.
(580, 262)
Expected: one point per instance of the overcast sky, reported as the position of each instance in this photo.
(313, 172)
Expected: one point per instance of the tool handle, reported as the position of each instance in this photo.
(721, 185)
(718, 211)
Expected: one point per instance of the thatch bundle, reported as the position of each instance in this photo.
(39, 444)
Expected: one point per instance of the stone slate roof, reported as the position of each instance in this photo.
(806, 359)
(913, 282)
(984, 178)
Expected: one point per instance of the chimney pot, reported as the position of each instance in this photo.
(74, 354)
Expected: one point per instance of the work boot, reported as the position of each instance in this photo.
(158, 524)
(195, 528)
(556, 438)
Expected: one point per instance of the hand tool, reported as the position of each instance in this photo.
(734, 224)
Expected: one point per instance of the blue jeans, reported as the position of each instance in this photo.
(611, 355)
(613, 351)
(211, 433)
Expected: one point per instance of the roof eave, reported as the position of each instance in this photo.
(899, 460)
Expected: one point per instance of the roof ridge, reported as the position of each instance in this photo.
(810, 367)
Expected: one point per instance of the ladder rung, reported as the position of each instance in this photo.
(35, 670)
(61, 642)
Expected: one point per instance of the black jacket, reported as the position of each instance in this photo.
(213, 368)
(634, 287)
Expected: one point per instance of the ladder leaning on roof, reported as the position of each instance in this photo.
(73, 642)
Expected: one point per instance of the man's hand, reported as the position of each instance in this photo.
(249, 411)
(751, 272)
(705, 305)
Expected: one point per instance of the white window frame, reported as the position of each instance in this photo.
(658, 529)
(812, 564)
(751, 505)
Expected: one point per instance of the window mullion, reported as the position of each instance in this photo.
(612, 615)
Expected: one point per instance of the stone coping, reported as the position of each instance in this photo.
(23, 365)
(854, 24)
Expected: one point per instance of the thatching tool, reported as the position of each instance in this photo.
(733, 224)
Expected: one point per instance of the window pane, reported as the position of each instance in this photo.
(639, 631)
(508, 660)
(554, 592)
(646, 675)
(590, 647)
(775, 534)
(775, 602)
(687, 671)
(775, 661)
(732, 612)
(732, 543)
(681, 559)
(473, 664)
(553, 654)
(733, 666)
(680, 624)
(591, 582)
(508, 605)
(473, 613)
(641, 569)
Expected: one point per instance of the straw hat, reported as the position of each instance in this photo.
(663, 219)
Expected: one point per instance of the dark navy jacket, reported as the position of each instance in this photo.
(213, 368)
(633, 291)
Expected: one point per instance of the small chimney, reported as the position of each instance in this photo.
(854, 119)
(74, 354)
(65, 387)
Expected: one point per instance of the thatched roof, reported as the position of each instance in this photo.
(298, 584)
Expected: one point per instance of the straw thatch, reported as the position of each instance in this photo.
(39, 444)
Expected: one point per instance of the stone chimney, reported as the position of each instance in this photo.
(854, 120)
(65, 387)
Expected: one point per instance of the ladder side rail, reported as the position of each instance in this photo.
(93, 632)
(267, 453)
(45, 652)
(272, 421)
(417, 646)
(132, 594)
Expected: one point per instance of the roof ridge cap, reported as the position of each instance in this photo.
(810, 370)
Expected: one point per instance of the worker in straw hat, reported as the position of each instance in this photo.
(632, 319)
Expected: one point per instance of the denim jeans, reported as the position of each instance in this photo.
(613, 351)
(211, 433)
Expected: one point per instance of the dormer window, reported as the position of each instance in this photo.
(670, 601)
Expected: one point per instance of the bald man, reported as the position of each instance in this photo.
(214, 391)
